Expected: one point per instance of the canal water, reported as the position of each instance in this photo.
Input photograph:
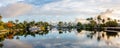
(62, 39)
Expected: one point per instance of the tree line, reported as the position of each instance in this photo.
(98, 23)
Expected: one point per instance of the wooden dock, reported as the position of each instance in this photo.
(112, 29)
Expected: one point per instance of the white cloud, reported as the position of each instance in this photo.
(6, 2)
(65, 8)
(86, 8)
(15, 9)
(74, 7)
(16, 43)
(77, 8)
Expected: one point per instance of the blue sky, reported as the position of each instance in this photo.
(56, 10)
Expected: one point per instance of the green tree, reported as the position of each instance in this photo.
(103, 21)
(32, 23)
(99, 19)
(16, 25)
(108, 19)
(89, 19)
(79, 25)
(1, 23)
(111, 24)
(93, 23)
(0, 17)
(60, 24)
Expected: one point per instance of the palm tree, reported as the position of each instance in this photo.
(0, 17)
(16, 23)
(24, 24)
(103, 21)
(108, 19)
(99, 19)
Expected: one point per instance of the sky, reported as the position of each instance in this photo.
(57, 10)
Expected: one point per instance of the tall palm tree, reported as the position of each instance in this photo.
(103, 21)
(0, 17)
(99, 19)
(108, 19)
(16, 23)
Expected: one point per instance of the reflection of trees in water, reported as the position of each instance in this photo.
(90, 35)
(61, 30)
(79, 30)
(101, 35)
(113, 34)
(1, 45)
(1, 40)
(17, 37)
(9, 35)
(25, 34)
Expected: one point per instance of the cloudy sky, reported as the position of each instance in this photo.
(56, 10)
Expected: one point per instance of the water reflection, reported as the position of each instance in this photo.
(113, 34)
(16, 44)
(60, 38)
(61, 30)
(79, 30)
(102, 34)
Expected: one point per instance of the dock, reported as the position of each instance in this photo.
(112, 29)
